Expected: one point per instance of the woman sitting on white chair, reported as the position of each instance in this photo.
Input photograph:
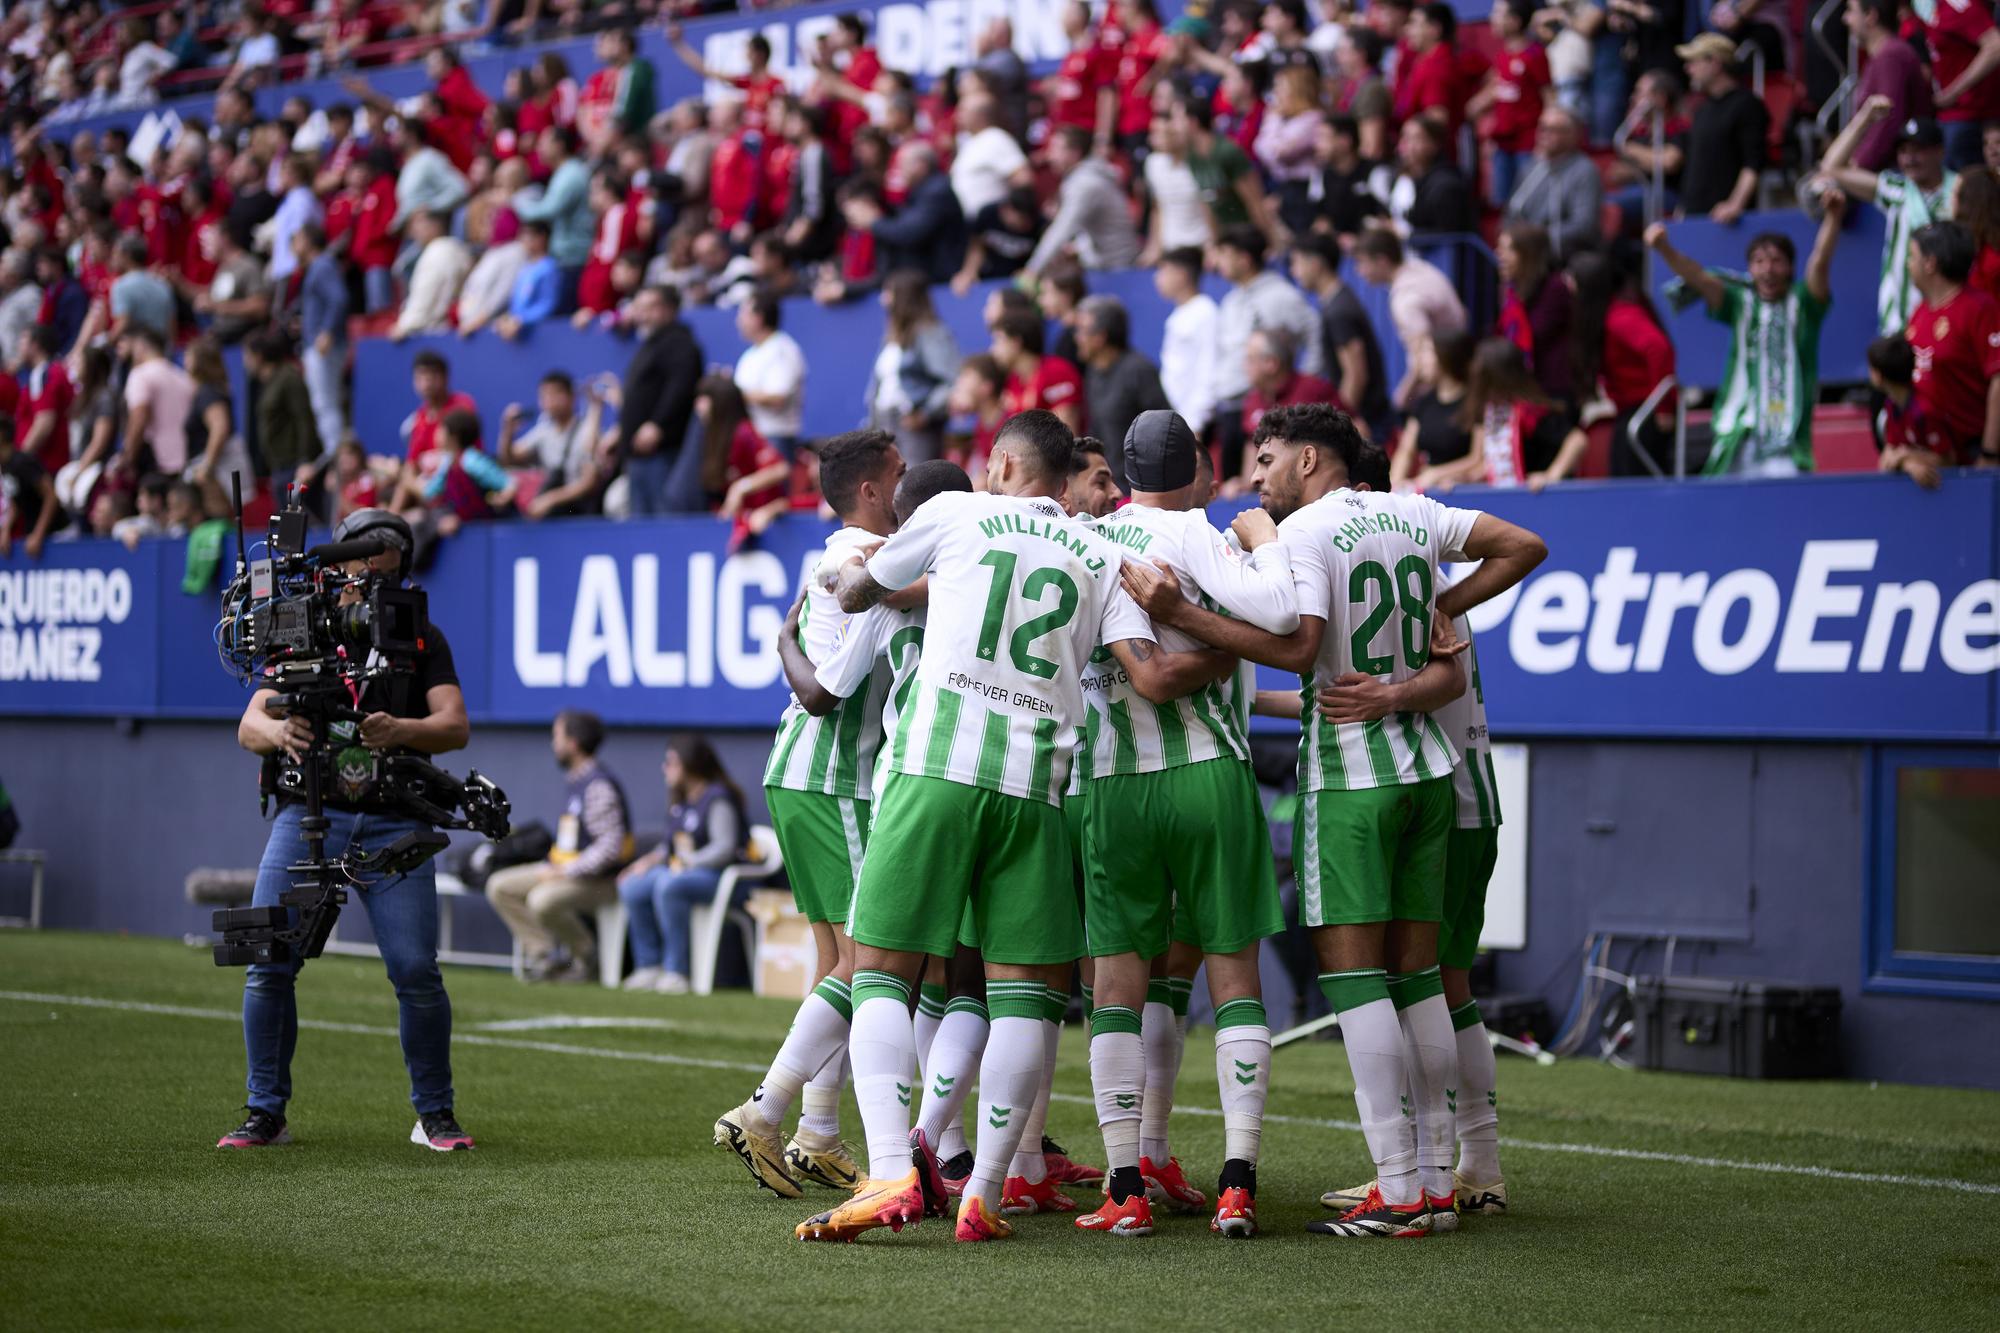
(706, 830)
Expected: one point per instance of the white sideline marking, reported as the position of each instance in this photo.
(666, 1058)
(559, 1022)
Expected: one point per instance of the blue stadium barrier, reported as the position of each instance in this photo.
(1841, 608)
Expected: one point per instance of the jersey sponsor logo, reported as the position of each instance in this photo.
(1830, 619)
(50, 621)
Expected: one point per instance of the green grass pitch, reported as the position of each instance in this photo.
(596, 1200)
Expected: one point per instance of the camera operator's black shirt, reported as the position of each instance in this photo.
(433, 667)
(404, 698)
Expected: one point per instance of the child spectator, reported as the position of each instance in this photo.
(978, 408)
(1521, 437)
(1901, 435)
(1434, 438)
(1035, 380)
(742, 473)
(468, 486)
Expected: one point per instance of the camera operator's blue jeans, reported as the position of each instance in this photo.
(660, 905)
(402, 912)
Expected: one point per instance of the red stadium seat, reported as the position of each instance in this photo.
(1842, 439)
(1596, 460)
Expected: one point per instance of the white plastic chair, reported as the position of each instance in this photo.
(707, 921)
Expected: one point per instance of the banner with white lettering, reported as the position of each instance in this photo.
(1839, 608)
(1842, 608)
(79, 630)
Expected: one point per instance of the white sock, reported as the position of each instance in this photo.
(1478, 1099)
(1010, 1077)
(955, 1051)
(1165, 1041)
(1027, 1162)
(930, 1013)
(883, 1050)
(819, 1106)
(1375, 1053)
(817, 1039)
(1118, 1077)
(1433, 1075)
(1243, 1073)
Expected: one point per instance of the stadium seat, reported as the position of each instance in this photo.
(707, 922)
(1843, 441)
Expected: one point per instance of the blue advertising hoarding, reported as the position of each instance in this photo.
(1843, 608)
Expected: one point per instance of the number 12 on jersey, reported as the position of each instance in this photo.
(1034, 590)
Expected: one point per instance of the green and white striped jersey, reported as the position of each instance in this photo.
(1368, 563)
(1128, 734)
(1763, 411)
(1464, 721)
(835, 754)
(1905, 208)
(881, 636)
(1020, 594)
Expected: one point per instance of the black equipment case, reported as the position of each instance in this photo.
(1735, 1026)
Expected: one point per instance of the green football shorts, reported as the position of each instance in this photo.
(822, 839)
(1470, 854)
(1188, 842)
(1375, 854)
(942, 847)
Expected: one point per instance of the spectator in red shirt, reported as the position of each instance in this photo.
(1141, 49)
(1893, 70)
(1955, 333)
(549, 95)
(1511, 101)
(742, 473)
(201, 242)
(1035, 380)
(733, 173)
(1270, 360)
(372, 248)
(617, 232)
(1427, 78)
(1084, 89)
(1617, 342)
(41, 414)
(1965, 60)
(1901, 430)
(430, 376)
(1977, 209)
(760, 87)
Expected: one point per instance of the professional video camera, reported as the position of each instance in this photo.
(285, 627)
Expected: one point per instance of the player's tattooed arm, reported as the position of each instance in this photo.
(1158, 593)
(857, 589)
(1161, 676)
(814, 697)
(1506, 554)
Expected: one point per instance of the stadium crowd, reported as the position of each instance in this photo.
(1278, 151)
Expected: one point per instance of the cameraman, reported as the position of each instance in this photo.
(422, 713)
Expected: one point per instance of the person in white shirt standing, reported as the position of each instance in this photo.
(1187, 350)
(443, 263)
(1180, 217)
(771, 372)
(989, 161)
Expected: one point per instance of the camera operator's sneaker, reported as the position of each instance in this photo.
(439, 1131)
(260, 1129)
(823, 1159)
